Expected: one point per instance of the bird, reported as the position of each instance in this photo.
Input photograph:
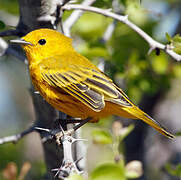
(72, 84)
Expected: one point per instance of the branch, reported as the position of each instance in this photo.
(65, 140)
(124, 19)
(109, 31)
(69, 166)
(17, 137)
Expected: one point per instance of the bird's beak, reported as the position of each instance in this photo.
(21, 42)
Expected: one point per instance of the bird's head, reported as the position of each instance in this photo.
(43, 43)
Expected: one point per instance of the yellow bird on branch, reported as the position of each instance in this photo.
(72, 84)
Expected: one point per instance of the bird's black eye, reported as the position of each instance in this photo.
(42, 41)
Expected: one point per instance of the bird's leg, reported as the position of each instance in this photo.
(17, 137)
(73, 120)
(82, 123)
(69, 132)
(64, 120)
(58, 133)
(69, 121)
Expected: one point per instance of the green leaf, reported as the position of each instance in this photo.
(178, 133)
(160, 64)
(74, 177)
(145, 85)
(101, 137)
(103, 4)
(177, 47)
(108, 171)
(177, 38)
(135, 12)
(96, 52)
(92, 52)
(123, 2)
(168, 37)
(91, 26)
(126, 131)
(177, 70)
(175, 42)
(2, 25)
(135, 94)
(175, 171)
(132, 175)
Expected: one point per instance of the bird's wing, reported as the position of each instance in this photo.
(89, 85)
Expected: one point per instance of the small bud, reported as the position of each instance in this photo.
(10, 172)
(134, 169)
(24, 170)
(118, 157)
(116, 128)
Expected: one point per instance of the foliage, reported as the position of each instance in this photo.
(9, 5)
(101, 137)
(108, 171)
(143, 74)
(117, 168)
(175, 42)
(75, 177)
(2, 25)
(174, 171)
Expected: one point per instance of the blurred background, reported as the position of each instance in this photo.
(153, 82)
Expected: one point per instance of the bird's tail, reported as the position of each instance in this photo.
(139, 114)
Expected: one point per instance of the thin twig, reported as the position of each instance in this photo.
(106, 36)
(65, 139)
(109, 31)
(70, 21)
(124, 19)
(17, 137)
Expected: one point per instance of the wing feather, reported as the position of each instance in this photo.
(88, 85)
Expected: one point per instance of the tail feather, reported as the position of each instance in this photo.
(139, 114)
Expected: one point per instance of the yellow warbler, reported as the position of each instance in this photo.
(72, 84)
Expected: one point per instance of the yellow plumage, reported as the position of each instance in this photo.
(72, 84)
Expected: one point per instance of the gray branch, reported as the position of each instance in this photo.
(124, 19)
(69, 166)
(17, 137)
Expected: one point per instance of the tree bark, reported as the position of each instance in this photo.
(36, 14)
